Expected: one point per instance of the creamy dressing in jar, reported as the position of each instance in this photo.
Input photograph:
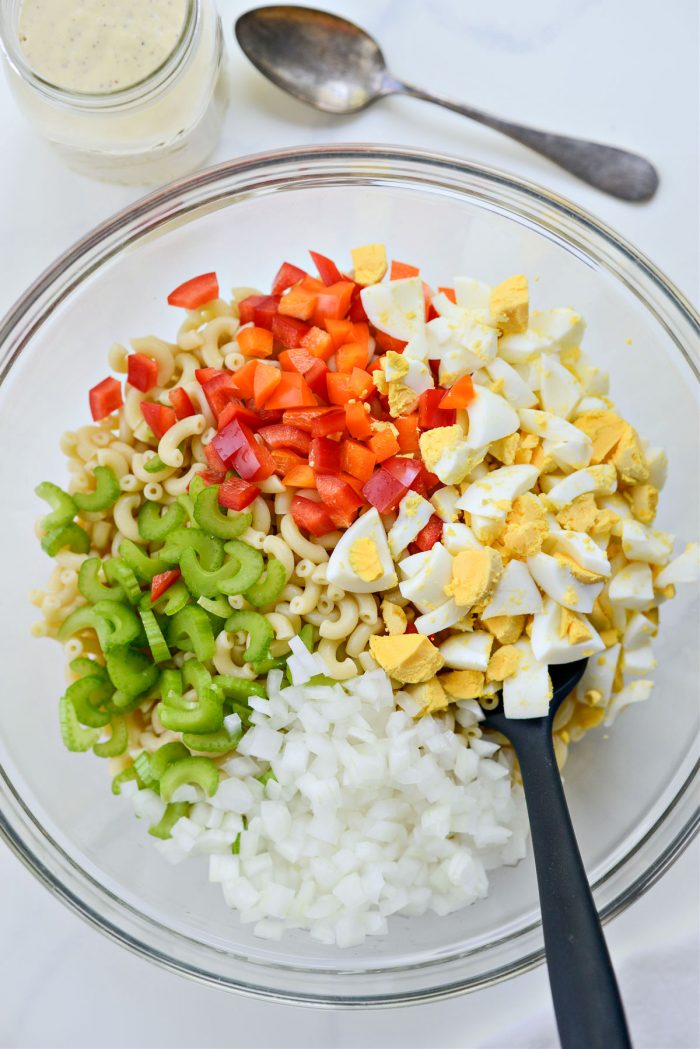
(99, 46)
(125, 90)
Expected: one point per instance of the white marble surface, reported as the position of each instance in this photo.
(622, 72)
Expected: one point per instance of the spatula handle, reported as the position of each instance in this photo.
(586, 998)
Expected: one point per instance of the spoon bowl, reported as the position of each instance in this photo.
(348, 71)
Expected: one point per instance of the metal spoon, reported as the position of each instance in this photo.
(337, 67)
(586, 998)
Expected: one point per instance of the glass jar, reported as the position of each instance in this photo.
(152, 131)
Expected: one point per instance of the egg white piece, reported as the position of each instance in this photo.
(473, 295)
(559, 583)
(414, 563)
(632, 587)
(340, 570)
(486, 529)
(600, 674)
(444, 502)
(683, 569)
(467, 651)
(426, 588)
(396, 307)
(634, 692)
(581, 548)
(411, 372)
(562, 326)
(591, 404)
(456, 459)
(458, 536)
(523, 346)
(460, 343)
(598, 480)
(594, 381)
(515, 389)
(526, 694)
(550, 647)
(493, 495)
(638, 631)
(638, 661)
(569, 447)
(560, 391)
(640, 543)
(490, 418)
(440, 618)
(515, 593)
(657, 461)
(414, 514)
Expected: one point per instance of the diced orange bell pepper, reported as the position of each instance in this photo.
(300, 477)
(449, 293)
(348, 386)
(319, 343)
(265, 380)
(286, 460)
(384, 444)
(339, 331)
(459, 395)
(298, 302)
(407, 425)
(357, 460)
(292, 391)
(255, 342)
(245, 377)
(351, 355)
(388, 342)
(360, 333)
(358, 421)
(399, 270)
(333, 302)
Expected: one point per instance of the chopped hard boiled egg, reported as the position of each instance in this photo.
(409, 658)
(683, 569)
(598, 480)
(569, 447)
(469, 651)
(515, 389)
(515, 593)
(414, 514)
(596, 685)
(527, 692)
(562, 327)
(559, 636)
(396, 307)
(560, 583)
(447, 453)
(475, 574)
(444, 501)
(644, 544)
(560, 391)
(361, 561)
(492, 495)
(473, 295)
(369, 263)
(440, 618)
(490, 418)
(510, 305)
(632, 587)
(426, 587)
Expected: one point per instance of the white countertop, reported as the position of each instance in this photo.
(622, 73)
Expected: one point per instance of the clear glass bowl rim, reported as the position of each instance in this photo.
(352, 164)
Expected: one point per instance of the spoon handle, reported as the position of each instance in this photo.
(586, 998)
(615, 171)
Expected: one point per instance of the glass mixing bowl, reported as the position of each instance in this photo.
(630, 787)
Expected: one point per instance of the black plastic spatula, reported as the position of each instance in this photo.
(586, 998)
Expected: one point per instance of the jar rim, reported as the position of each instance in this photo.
(139, 91)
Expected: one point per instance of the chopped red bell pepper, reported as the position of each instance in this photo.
(158, 416)
(105, 398)
(332, 421)
(404, 470)
(384, 491)
(214, 460)
(244, 378)
(265, 381)
(324, 456)
(388, 342)
(162, 581)
(286, 276)
(181, 402)
(219, 389)
(327, 269)
(289, 330)
(311, 516)
(195, 292)
(318, 342)
(237, 410)
(357, 460)
(304, 362)
(236, 445)
(334, 302)
(284, 436)
(401, 270)
(339, 499)
(425, 482)
(304, 418)
(460, 395)
(430, 414)
(260, 309)
(357, 312)
(208, 477)
(142, 372)
(236, 494)
(430, 534)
